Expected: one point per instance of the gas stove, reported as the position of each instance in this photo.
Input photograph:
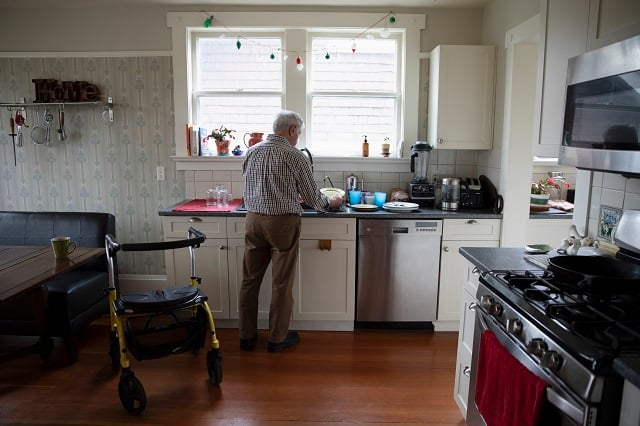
(593, 327)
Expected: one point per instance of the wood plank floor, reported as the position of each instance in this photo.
(362, 377)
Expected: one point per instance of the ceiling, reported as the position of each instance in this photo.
(297, 3)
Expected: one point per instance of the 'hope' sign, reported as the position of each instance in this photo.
(50, 90)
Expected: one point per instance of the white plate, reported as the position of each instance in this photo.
(364, 207)
(400, 206)
(538, 248)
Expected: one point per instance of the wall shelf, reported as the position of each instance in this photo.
(108, 105)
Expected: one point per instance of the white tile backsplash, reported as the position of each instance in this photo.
(613, 181)
(612, 197)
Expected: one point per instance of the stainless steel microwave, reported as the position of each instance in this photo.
(602, 110)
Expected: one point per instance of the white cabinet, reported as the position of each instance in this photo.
(563, 35)
(465, 337)
(458, 233)
(461, 97)
(547, 231)
(210, 257)
(326, 285)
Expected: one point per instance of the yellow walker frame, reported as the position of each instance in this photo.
(157, 323)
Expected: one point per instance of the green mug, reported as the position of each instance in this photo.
(62, 247)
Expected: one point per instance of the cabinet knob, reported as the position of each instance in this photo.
(473, 306)
(475, 270)
(221, 247)
(195, 219)
(440, 140)
(445, 249)
(466, 371)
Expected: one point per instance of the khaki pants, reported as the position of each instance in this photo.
(269, 239)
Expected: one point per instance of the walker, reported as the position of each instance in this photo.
(157, 323)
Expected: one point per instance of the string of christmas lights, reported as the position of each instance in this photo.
(384, 33)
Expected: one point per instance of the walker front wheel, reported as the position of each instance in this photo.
(132, 395)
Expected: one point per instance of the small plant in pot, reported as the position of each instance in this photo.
(222, 138)
(539, 193)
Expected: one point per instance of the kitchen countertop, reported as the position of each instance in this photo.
(551, 214)
(490, 258)
(422, 213)
(629, 368)
(497, 258)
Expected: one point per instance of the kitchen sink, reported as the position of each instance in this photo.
(305, 209)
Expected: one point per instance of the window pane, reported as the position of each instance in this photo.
(220, 65)
(372, 68)
(240, 113)
(339, 123)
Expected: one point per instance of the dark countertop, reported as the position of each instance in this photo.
(551, 214)
(497, 258)
(422, 213)
(489, 258)
(629, 368)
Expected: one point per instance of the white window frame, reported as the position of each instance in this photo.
(183, 23)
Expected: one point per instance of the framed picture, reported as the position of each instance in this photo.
(608, 222)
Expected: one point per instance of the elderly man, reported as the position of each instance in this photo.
(276, 175)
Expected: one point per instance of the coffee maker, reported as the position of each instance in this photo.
(420, 190)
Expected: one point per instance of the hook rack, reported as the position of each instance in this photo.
(108, 105)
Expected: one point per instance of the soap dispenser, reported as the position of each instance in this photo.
(365, 147)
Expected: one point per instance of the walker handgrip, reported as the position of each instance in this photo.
(167, 245)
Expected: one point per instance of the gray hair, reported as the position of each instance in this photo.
(285, 119)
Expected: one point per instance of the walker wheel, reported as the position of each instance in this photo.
(132, 395)
(214, 366)
(114, 350)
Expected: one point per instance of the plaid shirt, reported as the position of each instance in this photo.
(275, 174)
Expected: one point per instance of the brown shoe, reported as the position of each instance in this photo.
(248, 344)
(292, 339)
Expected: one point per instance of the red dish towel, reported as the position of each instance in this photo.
(507, 394)
(201, 206)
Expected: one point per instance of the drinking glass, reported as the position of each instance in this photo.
(379, 198)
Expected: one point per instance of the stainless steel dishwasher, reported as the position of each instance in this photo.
(398, 271)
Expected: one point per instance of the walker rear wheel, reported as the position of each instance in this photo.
(132, 395)
(214, 366)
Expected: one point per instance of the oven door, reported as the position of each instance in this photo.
(560, 404)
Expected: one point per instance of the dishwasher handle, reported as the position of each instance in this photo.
(400, 230)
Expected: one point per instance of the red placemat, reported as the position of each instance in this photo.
(199, 205)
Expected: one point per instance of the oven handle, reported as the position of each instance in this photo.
(565, 406)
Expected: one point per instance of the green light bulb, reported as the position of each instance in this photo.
(392, 20)
(272, 56)
(327, 56)
(207, 22)
(238, 44)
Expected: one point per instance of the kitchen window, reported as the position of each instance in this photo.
(341, 95)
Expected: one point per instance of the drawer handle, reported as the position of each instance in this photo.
(471, 222)
(324, 245)
(475, 270)
(195, 219)
(472, 306)
(467, 371)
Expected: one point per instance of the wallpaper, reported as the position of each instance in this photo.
(102, 166)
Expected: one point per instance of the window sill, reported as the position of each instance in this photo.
(353, 164)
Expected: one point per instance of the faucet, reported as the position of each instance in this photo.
(325, 179)
(305, 150)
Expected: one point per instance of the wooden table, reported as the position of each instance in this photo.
(28, 268)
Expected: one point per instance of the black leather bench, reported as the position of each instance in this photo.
(75, 298)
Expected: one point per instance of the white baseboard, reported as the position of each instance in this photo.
(446, 326)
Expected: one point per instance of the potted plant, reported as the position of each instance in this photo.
(222, 138)
(539, 193)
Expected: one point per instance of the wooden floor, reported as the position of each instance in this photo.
(361, 377)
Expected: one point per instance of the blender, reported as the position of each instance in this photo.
(420, 190)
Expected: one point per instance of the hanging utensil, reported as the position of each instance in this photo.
(61, 133)
(38, 133)
(13, 138)
(48, 118)
(19, 120)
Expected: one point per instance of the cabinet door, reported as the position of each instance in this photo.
(326, 287)
(547, 231)
(453, 269)
(564, 36)
(461, 94)
(236, 256)
(465, 339)
(211, 266)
